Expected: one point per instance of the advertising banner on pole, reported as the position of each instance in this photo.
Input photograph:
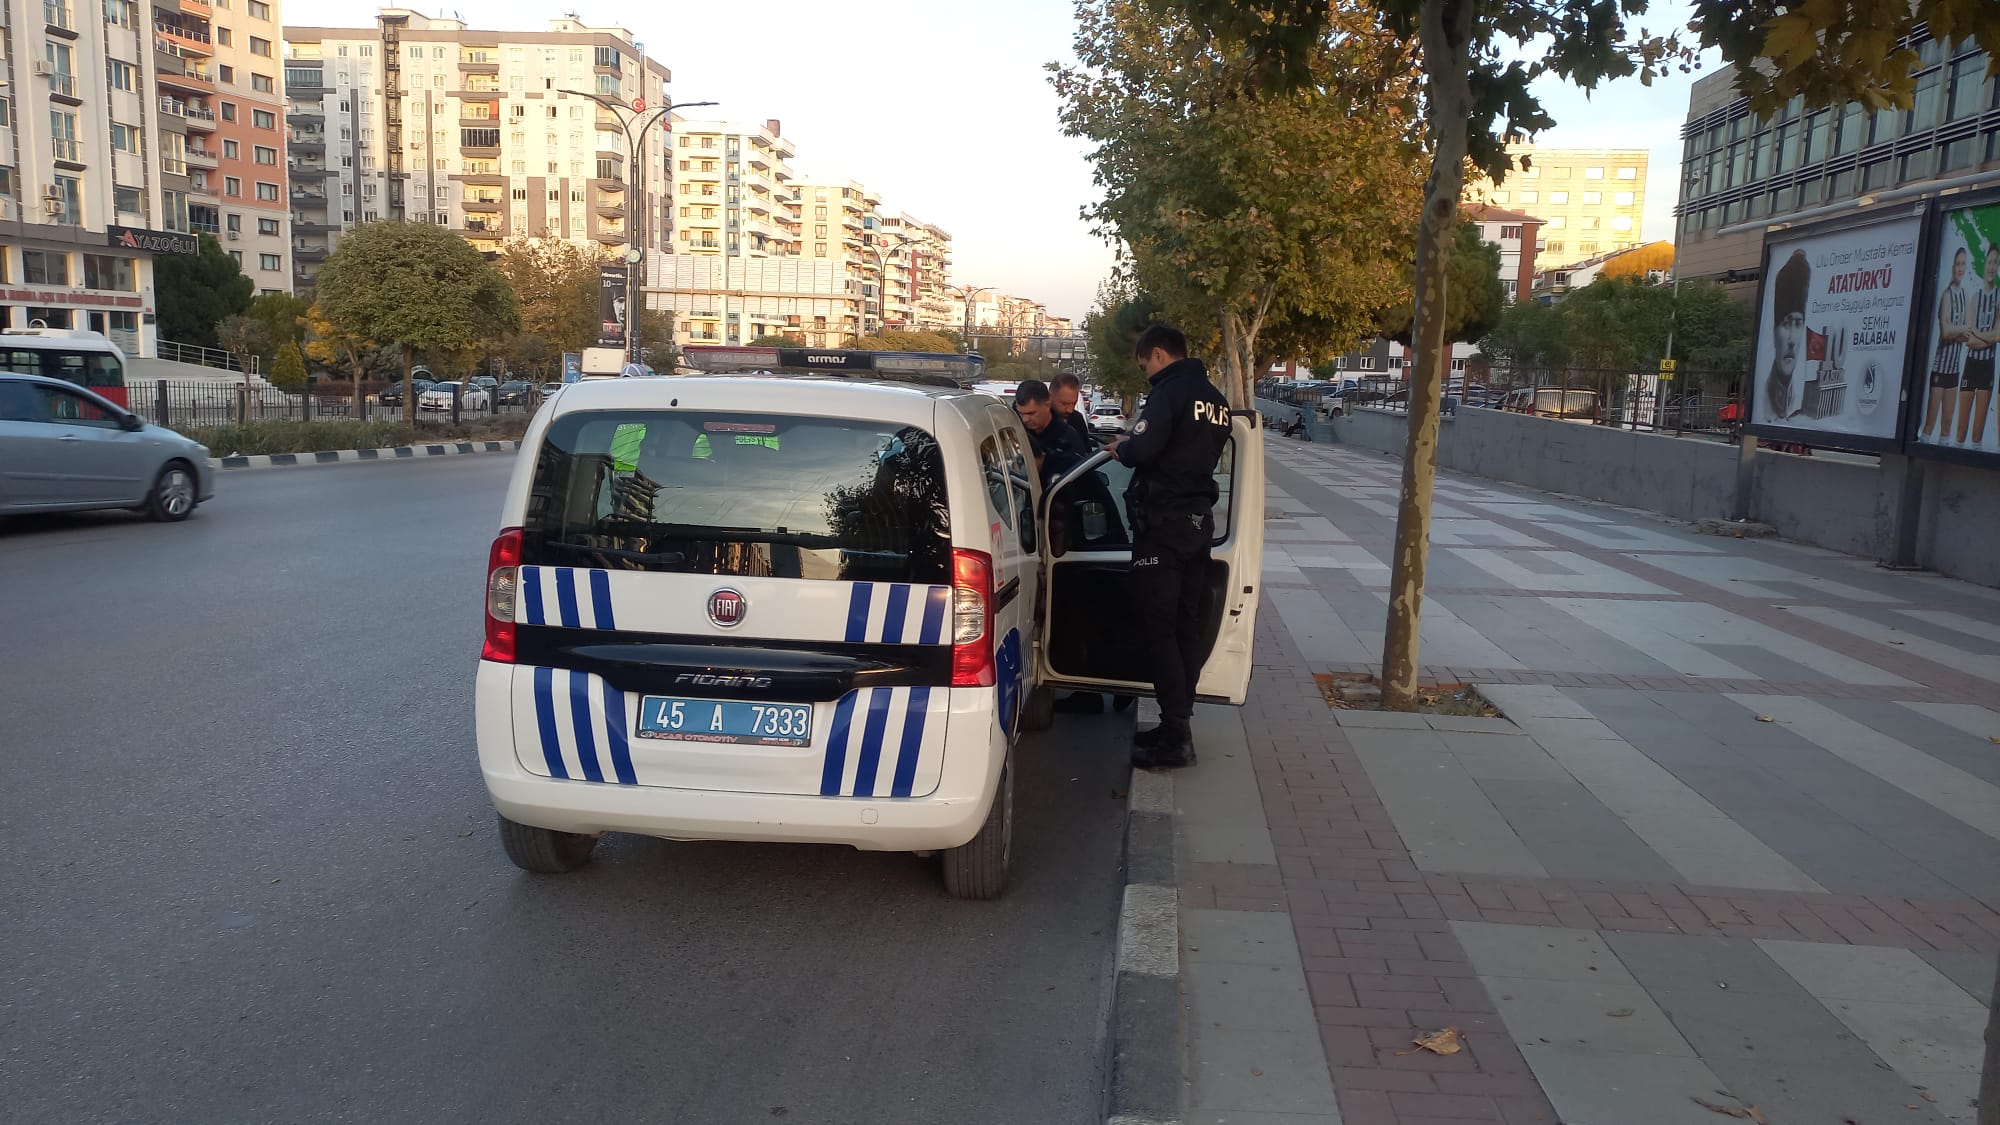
(572, 367)
(1834, 333)
(1958, 327)
(611, 311)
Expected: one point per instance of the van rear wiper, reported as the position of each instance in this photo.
(666, 558)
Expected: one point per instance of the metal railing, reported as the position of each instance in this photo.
(204, 357)
(191, 405)
(1692, 402)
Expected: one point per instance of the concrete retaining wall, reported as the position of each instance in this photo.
(1838, 504)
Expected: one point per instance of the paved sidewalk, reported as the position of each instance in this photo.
(1735, 843)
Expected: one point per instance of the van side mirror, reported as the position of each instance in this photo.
(131, 423)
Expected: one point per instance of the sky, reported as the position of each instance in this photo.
(944, 107)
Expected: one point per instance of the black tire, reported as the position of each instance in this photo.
(1039, 712)
(175, 493)
(542, 850)
(977, 869)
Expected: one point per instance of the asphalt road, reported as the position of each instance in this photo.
(255, 877)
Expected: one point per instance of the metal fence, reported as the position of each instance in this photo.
(185, 405)
(1691, 402)
(205, 357)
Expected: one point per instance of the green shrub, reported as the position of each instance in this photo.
(293, 436)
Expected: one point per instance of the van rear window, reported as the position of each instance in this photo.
(749, 495)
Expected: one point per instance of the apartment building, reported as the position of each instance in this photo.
(718, 299)
(1741, 176)
(1589, 200)
(493, 134)
(142, 128)
(733, 190)
(1518, 235)
(917, 267)
(834, 219)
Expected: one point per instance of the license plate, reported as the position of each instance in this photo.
(715, 720)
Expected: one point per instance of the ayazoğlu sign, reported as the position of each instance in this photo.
(1834, 332)
(154, 241)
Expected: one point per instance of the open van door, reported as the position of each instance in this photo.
(1090, 641)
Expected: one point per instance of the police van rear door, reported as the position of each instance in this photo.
(1089, 640)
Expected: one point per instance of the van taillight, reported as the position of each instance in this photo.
(503, 578)
(972, 620)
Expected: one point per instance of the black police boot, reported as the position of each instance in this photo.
(1080, 703)
(1169, 746)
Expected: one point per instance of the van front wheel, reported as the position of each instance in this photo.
(978, 868)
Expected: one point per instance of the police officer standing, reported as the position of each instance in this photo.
(1172, 450)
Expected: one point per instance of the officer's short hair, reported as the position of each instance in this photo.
(1066, 380)
(1031, 390)
(1163, 336)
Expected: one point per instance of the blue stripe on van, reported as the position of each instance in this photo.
(836, 746)
(892, 618)
(600, 598)
(934, 605)
(545, 721)
(579, 721)
(871, 743)
(531, 586)
(566, 596)
(913, 741)
(614, 731)
(857, 612)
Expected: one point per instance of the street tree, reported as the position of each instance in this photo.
(656, 339)
(417, 288)
(1640, 261)
(555, 282)
(780, 341)
(283, 317)
(335, 348)
(289, 369)
(1528, 335)
(194, 294)
(899, 340)
(1474, 295)
(1241, 206)
(1112, 329)
(243, 339)
(1478, 60)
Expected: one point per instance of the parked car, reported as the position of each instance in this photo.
(1554, 402)
(471, 399)
(392, 395)
(1107, 418)
(63, 448)
(514, 394)
(486, 382)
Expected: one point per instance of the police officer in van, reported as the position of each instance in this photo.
(1172, 451)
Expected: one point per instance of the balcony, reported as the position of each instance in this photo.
(201, 9)
(203, 158)
(495, 179)
(487, 205)
(307, 144)
(478, 65)
(308, 253)
(303, 225)
(308, 118)
(610, 208)
(698, 174)
(190, 41)
(609, 184)
(307, 172)
(610, 237)
(67, 151)
(62, 88)
(310, 197)
(190, 79)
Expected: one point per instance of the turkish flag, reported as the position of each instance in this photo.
(1815, 344)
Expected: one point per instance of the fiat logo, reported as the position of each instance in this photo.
(727, 607)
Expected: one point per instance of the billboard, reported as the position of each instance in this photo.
(1834, 333)
(572, 367)
(611, 306)
(1952, 408)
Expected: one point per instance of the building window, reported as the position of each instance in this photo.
(259, 10)
(261, 83)
(225, 37)
(1593, 197)
(268, 192)
(229, 111)
(1499, 197)
(232, 185)
(1530, 196)
(124, 138)
(1593, 173)
(260, 46)
(270, 262)
(44, 267)
(1628, 173)
(479, 138)
(1624, 199)
(120, 74)
(1557, 222)
(1560, 197)
(126, 200)
(237, 255)
(109, 273)
(266, 155)
(1513, 232)
(263, 119)
(267, 226)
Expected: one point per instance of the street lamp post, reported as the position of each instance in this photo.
(882, 284)
(635, 119)
(969, 292)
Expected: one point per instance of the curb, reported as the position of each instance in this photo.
(1148, 1078)
(336, 456)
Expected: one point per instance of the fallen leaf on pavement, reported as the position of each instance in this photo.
(1747, 1112)
(1930, 1097)
(1766, 719)
(1619, 1013)
(1445, 1042)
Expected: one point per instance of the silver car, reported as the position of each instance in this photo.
(63, 448)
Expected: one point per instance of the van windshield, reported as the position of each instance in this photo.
(748, 495)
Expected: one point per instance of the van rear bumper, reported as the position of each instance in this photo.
(869, 824)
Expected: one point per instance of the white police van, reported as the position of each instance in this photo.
(807, 609)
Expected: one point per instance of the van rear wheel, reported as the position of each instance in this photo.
(978, 868)
(542, 850)
(1039, 712)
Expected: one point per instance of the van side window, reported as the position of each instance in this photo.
(996, 481)
(1020, 471)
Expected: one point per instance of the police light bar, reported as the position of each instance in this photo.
(944, 368)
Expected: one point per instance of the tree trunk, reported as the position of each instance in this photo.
(1446, 32)
(1989, 1074)
(409, 382)
(356, 409)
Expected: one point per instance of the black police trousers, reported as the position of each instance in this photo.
(1169, 571)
